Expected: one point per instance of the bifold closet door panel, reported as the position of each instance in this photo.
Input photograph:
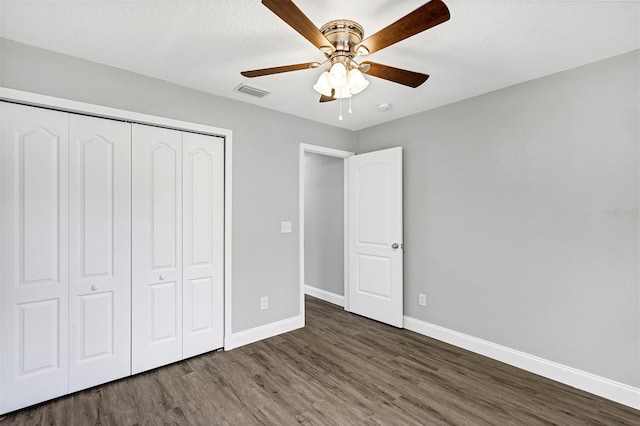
(203, 243)
(156, 247)
(99, 251)
(34, 255)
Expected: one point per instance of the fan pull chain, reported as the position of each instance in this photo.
(350, 111)
(340, 116)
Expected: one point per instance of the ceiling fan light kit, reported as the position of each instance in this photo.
(341, 41)
(338, 83)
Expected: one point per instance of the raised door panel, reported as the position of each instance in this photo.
(373, 195)
(100, 251)
(156, 247)
(34, 255)
(203, 213)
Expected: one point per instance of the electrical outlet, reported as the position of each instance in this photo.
(264, 303)
(422, 299)
(285, 227)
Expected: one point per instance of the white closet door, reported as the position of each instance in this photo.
(99, 251)
(33, 235)
(156, 247)
(203, 243)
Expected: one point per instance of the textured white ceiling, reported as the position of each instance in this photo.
(487, 45)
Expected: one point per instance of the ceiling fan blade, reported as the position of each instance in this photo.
(426, 16)
(324, 98)
(289, 13)
(396, 75)
(277, 70)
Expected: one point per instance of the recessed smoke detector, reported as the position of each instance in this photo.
(250, 90)
(384, 107)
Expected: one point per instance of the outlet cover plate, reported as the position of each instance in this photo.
(422, 299)
(285, 227)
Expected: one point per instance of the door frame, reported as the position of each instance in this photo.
(330, 152)
(66, 105)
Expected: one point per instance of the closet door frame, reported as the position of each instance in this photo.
(65, 105)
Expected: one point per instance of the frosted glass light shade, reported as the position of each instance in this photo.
(357, 82)
(338, 76)
(322, 86)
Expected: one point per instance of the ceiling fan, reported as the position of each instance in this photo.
(341, 41)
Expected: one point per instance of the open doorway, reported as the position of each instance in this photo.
(323, 224)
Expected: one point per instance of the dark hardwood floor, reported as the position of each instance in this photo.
(341, 369)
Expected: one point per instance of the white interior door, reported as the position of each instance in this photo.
(156, 247)
(375, 236)
(99, 251)
(34, 255)
(203, 243)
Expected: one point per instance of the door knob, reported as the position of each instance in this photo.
(94, 287)
(394, 246)
(162, 277)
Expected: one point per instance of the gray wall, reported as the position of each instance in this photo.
(265, 163)
(324, 222)
(521, 216)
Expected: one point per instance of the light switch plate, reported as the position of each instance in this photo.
(285, 227)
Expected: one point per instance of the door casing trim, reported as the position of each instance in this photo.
(330, 152)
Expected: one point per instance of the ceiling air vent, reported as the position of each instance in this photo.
(253, 91)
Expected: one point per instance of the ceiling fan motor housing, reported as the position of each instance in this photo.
(344, 35)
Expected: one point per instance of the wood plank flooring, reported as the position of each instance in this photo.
(341, 369)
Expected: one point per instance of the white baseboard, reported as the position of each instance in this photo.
(609, 389)
(252, 335)
(327, 296)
